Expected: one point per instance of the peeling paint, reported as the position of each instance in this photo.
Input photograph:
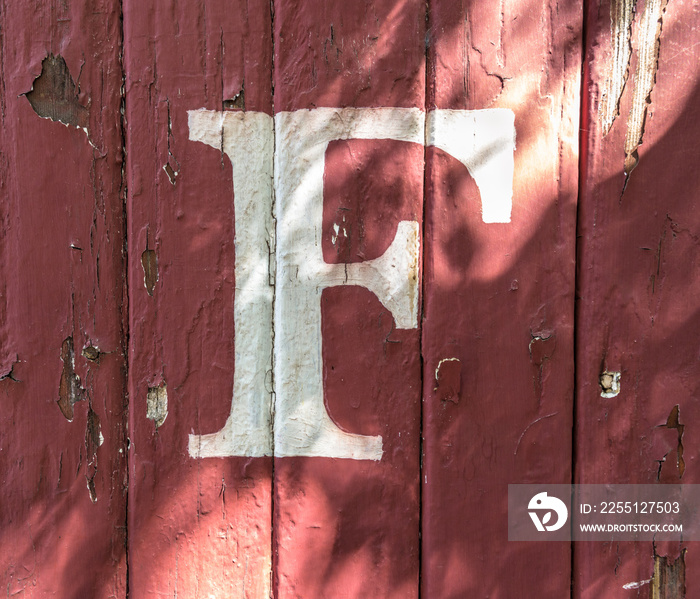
(237, 102)
(93, 440)
(645, 78)
(668, 581)
(674, 422)
(149, 263)
(157, 404)
(621, 16)
(54, 96)
(70, 390)
(447, 379)
(636, 585)
(171, 172)
(541, 347)
(339, 230)
(609, 384)
(10, 372)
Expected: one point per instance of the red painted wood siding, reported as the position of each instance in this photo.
(351, 527)
(280, 221)
(637, 272)
(499, 299)
(198, 528)
(63, 454)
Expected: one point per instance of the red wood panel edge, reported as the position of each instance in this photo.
(637, 217)
(198, 526)
(498, 311)
(344, 525)
(63, 433)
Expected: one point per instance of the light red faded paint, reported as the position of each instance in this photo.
(120, 280)
(637, 277)
(493, 293)
(62, 303)
(197, 528)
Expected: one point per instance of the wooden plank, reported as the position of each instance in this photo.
(637, 276)
(498, 290)
(62, 343)
(349, 189)
(198, 526)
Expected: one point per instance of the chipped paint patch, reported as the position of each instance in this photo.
(237, 102)
(668, 581)
(54, 96)
(9, 371)
(339, 230)
(541, 347)
(609, 384)
(93, 440)
(447, 379)
(157, 404)
(645, 78)
(149, 263)
(171, 172)
(70, 389)
(621, 16)
(674, 422)
(636, 585)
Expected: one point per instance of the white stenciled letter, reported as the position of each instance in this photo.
(247, 139)
(302, 425)
(484, 141)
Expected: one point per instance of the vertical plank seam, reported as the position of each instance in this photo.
(126, 306)
(421, 446)
(273, 593)
(584, 123)
(3, 93)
